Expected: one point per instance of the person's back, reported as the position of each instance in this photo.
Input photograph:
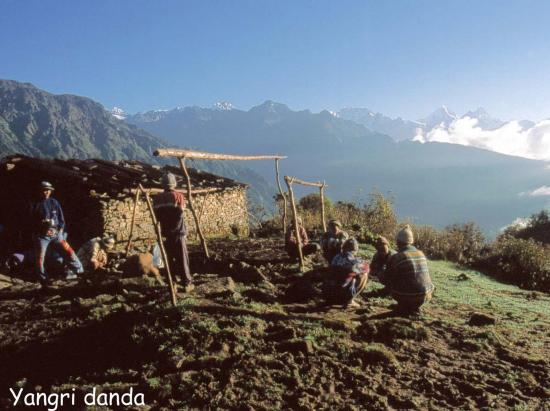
(407, 276)
(409, 272)
(168, 207)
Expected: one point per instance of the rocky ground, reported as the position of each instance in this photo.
(255, 334)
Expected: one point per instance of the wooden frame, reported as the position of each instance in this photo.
(181, 155)
(291, 180)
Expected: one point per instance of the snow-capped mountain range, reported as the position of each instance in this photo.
(476, 128)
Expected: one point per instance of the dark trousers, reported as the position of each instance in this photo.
(178, 258)
(308, 249)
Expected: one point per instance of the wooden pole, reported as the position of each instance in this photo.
(136, 201)
(282, 194)
(161, 246)
(322, 194)
(201, 155)
(306, 183)
(190, 200)
(288, 181)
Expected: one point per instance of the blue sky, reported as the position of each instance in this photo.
(398, 57)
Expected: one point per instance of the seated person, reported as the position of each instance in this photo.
(93, 254)
(332, 240)
(407, 275)
(348, 276)
(291, 241)
(381, 258)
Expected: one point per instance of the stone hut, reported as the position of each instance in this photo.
(97, 197)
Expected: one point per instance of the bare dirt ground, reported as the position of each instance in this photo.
(256, 335)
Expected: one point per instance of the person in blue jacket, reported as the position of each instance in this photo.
(48, 226)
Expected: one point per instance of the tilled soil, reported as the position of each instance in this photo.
(255, 334)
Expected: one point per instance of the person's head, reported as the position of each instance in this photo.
(169, 181)
(46, 189)
(350, 245)
(334, 226)
(405, 237)
(382, 245)
(300, 221)
(108, 242)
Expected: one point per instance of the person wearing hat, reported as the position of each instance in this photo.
(291, 241)
(169, 209)
(407, 275)
(380, 260)
(48, 225)
(348, 276)
(333, 239)
(94, 253)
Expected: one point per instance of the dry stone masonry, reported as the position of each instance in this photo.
(221, 213)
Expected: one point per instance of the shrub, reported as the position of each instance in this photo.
(461, 243)
(518, 261)
(312, 202)
(380, 216)
(537, 228)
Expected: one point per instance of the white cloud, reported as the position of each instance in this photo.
(519, 222)
(511, 138)
(538, 192)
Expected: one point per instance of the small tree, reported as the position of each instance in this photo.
(312, 203)
(380, 216)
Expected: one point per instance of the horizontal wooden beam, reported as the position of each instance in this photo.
(294, 180)
(194, 191)
(201, 155)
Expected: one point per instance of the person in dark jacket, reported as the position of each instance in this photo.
(381, 258)
(407, 275)
(169, 209)
(291, 241)
(48, 225)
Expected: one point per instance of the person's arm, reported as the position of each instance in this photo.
(180, 201)
(61, 217)
(303, 236)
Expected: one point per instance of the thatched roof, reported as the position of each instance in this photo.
(111, 177)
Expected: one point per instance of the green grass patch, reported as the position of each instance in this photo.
(464, 289)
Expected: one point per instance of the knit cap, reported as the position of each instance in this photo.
(405, 236)
(169, 180)
(335, 223)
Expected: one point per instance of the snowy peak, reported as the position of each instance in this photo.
(484, 120)
(118, 113)
(441, 117)
(397, 128)
(272, 107)
(223, 106)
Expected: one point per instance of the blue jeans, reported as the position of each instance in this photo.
(42, 242)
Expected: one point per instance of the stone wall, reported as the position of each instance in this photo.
(220, 214)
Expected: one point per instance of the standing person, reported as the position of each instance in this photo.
(169, 209)
(349, 275)
(48, 225)
(93, 253)
(407, 275)
(333, 239)
(291, 241)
